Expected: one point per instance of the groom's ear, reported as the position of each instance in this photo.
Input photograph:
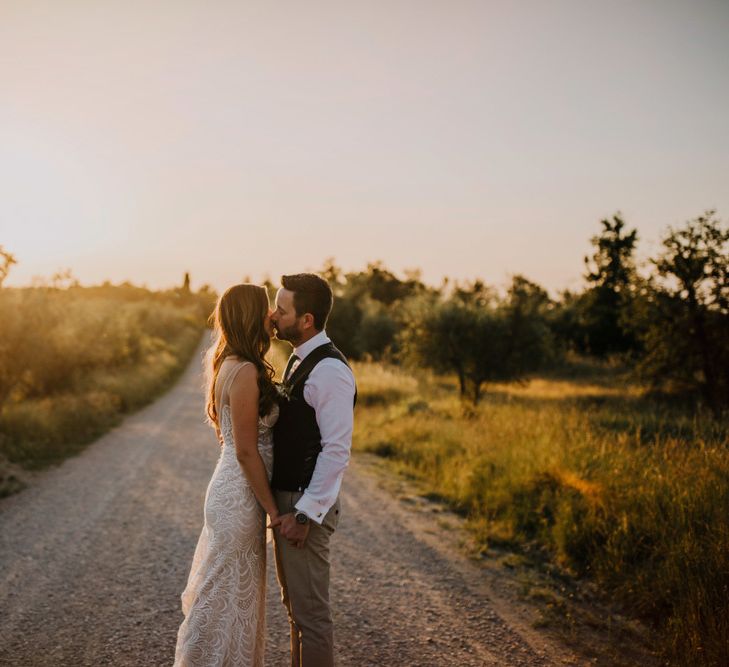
(307, 320)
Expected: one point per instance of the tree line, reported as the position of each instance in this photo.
(666, 321)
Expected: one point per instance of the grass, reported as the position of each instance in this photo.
(76, 361)
(39, 432)
(604, 481)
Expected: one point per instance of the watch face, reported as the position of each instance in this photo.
(301, 518)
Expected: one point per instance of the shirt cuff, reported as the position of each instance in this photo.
(313, 509)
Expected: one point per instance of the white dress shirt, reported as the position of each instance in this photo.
(329, 389)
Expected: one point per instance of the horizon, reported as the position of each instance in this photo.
(67, 277)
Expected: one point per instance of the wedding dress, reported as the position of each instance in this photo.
(224, 602)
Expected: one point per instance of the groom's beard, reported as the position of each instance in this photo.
(291, 334)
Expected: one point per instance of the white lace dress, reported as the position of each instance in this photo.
(224, 602)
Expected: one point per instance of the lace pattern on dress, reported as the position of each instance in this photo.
(225, 597)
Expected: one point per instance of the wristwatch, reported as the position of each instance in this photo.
(301, 518)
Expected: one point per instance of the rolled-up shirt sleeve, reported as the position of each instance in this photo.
(329, 389)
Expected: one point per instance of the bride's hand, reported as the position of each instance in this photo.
(275, 520)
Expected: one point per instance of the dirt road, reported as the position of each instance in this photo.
(94, 555)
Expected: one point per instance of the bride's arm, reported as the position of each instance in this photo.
(243, 397)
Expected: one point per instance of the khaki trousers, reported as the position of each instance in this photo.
(303, 575)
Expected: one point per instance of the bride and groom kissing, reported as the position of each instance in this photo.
(284, 449)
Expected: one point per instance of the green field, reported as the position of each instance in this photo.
(630, 492)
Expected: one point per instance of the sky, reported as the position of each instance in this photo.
(140, 140)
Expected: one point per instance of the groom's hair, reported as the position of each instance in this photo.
(312, 294)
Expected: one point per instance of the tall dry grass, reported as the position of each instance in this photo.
(73, 361)
(630, 492)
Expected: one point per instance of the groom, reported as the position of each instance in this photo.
(312, 443)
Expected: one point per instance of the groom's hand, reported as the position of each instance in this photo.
(295, 533)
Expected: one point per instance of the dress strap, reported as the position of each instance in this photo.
(229, 380)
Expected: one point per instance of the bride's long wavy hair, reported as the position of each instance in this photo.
(239, 328)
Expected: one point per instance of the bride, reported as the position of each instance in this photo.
(224, 601)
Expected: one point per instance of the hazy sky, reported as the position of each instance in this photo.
(139, 140)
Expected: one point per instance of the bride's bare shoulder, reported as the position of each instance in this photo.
(234, 377)
(236, 367)
(231, 358)
(243, 380)
(230, 368)
(231, 362)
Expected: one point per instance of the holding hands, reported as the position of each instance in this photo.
(294, 531)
